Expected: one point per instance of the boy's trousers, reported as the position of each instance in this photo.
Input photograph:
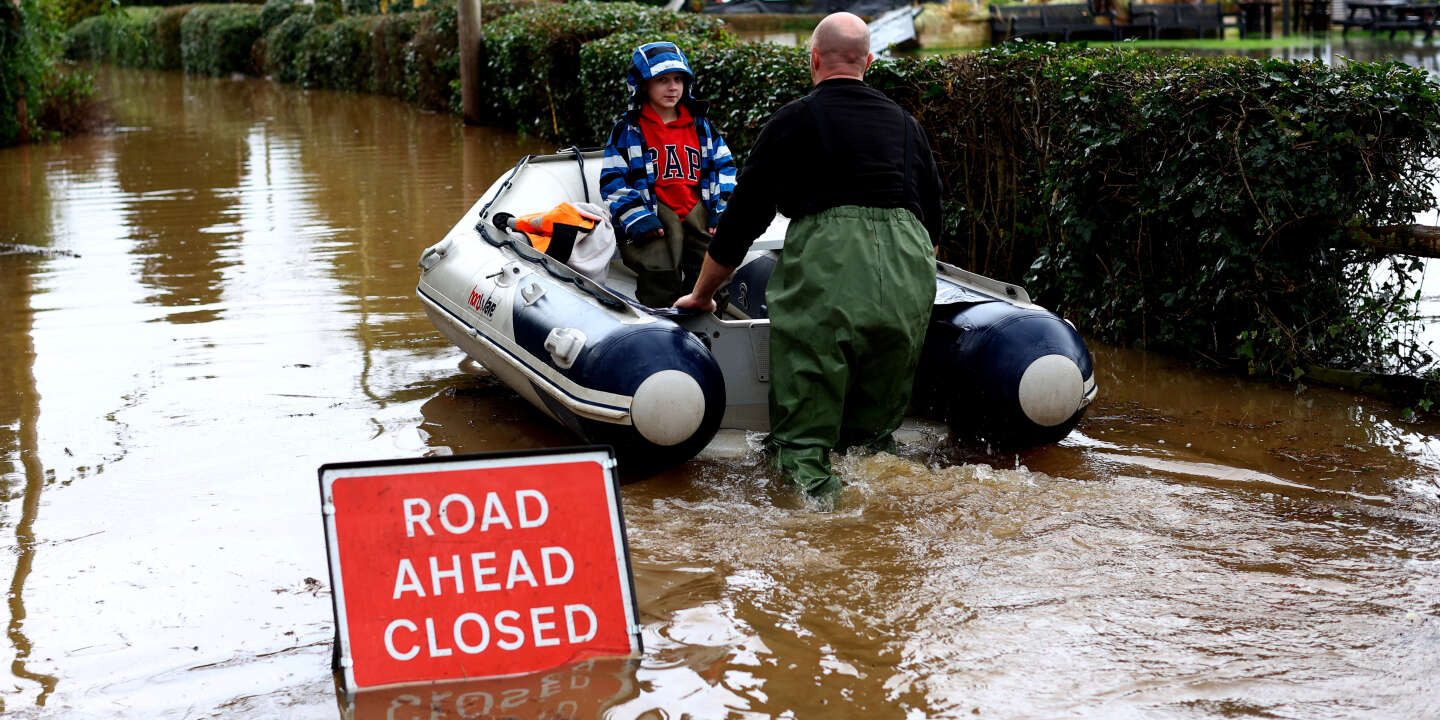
(666, 267)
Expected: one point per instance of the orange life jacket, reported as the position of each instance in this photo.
(562, 225)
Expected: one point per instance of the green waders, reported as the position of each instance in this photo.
(849, 303)
(666, 267)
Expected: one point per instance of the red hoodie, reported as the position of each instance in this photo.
(675, 150)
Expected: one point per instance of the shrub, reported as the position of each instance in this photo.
(274, 12)
(68, 105)
(279, 49)
(164, 34)
(432, 60)
(390, 36)
(217, 39)
(121, 38)
(143, 37)
(1197, 205)
(332, 56)
(66, 13)
(86, 40)
(38, 99)
(493, 9)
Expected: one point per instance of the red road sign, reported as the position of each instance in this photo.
(476, 566)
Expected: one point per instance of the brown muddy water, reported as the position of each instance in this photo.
(220, 298)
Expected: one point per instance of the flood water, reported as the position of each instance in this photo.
(225, 301)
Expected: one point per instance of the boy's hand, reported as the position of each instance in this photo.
(653, 234)
(712, 231)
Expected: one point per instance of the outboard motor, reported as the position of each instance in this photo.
(1013, 375)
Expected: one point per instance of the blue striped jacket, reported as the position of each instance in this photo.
(628, 176)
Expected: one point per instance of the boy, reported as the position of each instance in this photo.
(667, 176)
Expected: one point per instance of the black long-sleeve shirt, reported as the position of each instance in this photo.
(855, 156)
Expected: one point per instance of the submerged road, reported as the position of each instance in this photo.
(225, 301)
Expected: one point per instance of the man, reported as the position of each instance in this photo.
(850, 299)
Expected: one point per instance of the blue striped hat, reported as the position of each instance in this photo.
(656, 58)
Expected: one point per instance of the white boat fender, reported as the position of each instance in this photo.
(676, 388)
(1028, 379)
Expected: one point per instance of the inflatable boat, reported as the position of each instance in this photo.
(657, 384)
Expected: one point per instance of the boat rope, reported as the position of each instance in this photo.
(501, 191)
(580, 158)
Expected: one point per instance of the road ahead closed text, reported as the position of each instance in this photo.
(479, 572)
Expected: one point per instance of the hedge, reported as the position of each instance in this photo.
(217, 39)
(330, 55)
(432, 59)
(164, 30)
(1201, 206)
(278, 51)
(122, 38)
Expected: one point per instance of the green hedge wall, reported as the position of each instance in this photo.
(1198, 205)
(141, 37)
(330, 55)
(432, 60)
(122, 38)
(274, 12)
(279, 48)
(164, 32)
(408, 55)
(218, 39)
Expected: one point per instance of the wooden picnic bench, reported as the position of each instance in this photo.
(1389, 15)
(1200, 17)
(1056, 20)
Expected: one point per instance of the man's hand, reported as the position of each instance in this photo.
(702, 297)
(696, 302)
(712, 231)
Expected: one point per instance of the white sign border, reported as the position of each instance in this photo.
(329, 473)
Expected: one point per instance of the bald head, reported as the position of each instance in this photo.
(839, 47)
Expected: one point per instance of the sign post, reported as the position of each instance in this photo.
(476, 566)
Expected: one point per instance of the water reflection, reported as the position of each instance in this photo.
(1331, 48)
(579, 690)
(22, 473)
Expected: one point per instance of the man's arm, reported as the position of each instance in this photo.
(751, 208)
(760, 183)
(931, 188)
